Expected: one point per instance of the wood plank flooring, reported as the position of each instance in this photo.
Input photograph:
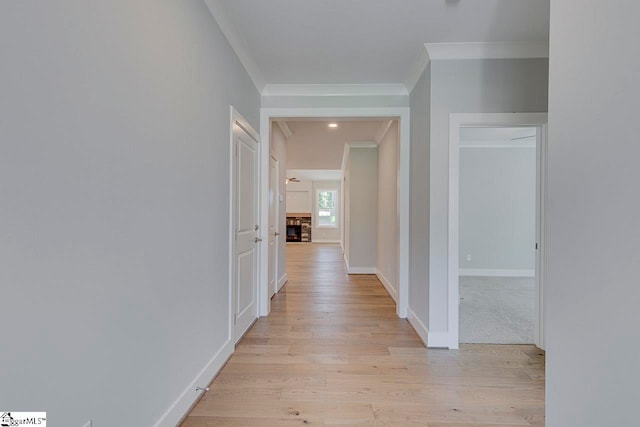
(333, 352)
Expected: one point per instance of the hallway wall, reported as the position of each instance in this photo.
(468, 86)
(592, 294)
(387, 245)
(114, 175)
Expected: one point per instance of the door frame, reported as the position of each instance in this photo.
(457, 121)
(236, 117)
(267, 115)
(276, 199)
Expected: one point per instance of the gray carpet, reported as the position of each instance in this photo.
(497, 310)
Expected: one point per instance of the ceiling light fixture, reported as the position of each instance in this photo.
(333, 125)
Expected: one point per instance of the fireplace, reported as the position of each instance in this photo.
(299, 227)
(294, 233)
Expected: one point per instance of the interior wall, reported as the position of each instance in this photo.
(279, 151)
(593, 255)
(325, 234)
(363, 208)
(114, 174)
(497, 210)
(346, 204)
(299, 196)
(388, 181)
(419, 218)
(468, 86)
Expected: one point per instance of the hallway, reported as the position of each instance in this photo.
(333, 352)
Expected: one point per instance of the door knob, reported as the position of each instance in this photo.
(257, 239)
(276, 234)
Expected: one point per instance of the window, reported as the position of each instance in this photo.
(326, 208)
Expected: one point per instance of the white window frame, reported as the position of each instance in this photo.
(316, 208)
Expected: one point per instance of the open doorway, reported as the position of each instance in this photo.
(497, 234)
(496, 230)
(315, 194)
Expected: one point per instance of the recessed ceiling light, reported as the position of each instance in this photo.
(333, 125)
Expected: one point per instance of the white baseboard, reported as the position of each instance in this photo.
(418, 326)
(189, 396)
(361, 270)
(387, 285)
(487, 272)
(438, 340)
(284, 279)
(325, 241)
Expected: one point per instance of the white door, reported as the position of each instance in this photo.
(273, 226)
(247, 245)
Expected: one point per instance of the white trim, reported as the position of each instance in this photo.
(284, 127)
(183, 404)
(236, 43)
(456, 121)
(403, 113)
(487, 272)
(361, 144)
(488, 50)
(391, 89)
(382, 131)
(439, 340)
(281, 282)
(387, 285)
(325, 241)
(418, 326)
(361, 270)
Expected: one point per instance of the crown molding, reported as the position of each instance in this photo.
(284, 127)
(382, 131)
(417, 68)
(491, 50)
(481, 50)
(236, 42)
(383, 89)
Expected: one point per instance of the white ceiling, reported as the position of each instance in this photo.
(364, 41)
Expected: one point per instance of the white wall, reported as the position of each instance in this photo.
(387, 247)
(299, 197)
(419, 218)
(362, 209)
(497, 210)
(114, 175)
(279, 151)
(325, 234)
(592, 293)
(467, 86)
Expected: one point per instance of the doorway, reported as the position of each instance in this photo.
(496, 228)
(245, 225)
(270, 115)
(497, 234)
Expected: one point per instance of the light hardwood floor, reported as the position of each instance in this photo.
(333, 352)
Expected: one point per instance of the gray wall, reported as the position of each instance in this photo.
(497, 209)
(363, 207)
(387, 256)
(279, 151)
(419, 217)
(592, 294)
(114, 183)
(468, 86)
